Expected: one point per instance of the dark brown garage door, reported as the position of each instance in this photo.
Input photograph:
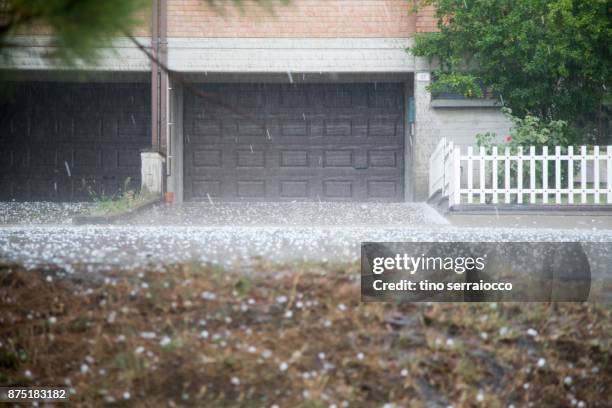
(63, 141)
(327, 142)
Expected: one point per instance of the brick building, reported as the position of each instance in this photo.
(316, 101)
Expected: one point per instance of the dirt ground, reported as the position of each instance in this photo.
(290, 335)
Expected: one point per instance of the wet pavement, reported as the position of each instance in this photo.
(36, 213)
(235, 235)
(126, 246)
(570, 220)
(291, 214)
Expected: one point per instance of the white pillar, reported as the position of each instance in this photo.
(152, 172)
(426, 135)
(175, 157)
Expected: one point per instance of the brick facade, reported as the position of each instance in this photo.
(298, 19)
(426, 21)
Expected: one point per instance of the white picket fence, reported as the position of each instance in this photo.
(468, 175)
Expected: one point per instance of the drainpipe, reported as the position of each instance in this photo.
(154, 78)
(153, 161)
(159, 80)
(163, 83)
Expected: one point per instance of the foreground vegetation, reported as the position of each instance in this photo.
(287, 336)
(125, 199)
(119, 203)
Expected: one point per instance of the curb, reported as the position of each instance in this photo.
(112, 218)
(435, 215)
(532, 209)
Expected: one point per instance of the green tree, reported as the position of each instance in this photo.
(548, 58)
(79, 28)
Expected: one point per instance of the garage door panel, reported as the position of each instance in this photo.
(387, 101)
(127, 159)
(244, 128)
(128, 127)
(201, 128)
(334, 158)
(66, 140)
(251, 189)
(293, 158)
(274, 140)
(338, 189)
(87, 158)
(46, 128)
(383, 158)
(65, 160)
(46, 187)
(20, 159)
(376, 186)
(294, 189)
(382, 127)
(64, 123)
(336, 132)
(42, 157)
(328, 142)
(87, 128)
(202, 189)
(382, 189)
(20, 189)
(334, 127)
(207, 158)
(250, 98)
(293, 127)
(292, 172)
(18, 127)
(248, 159)
(315, 157)
(298, 188)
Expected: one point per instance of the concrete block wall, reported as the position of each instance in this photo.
(300, 18)
(457, 124)
(298, 55)
(174, 165)
(408, 144)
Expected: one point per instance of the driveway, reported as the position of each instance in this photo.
(235, 234)
(405, 215)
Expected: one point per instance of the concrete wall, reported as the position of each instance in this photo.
(32, 53)
(297, 55)
(408, 144)
(457, 124)
(175, 153)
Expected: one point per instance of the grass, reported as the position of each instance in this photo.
(119, 202)
(295, 335)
